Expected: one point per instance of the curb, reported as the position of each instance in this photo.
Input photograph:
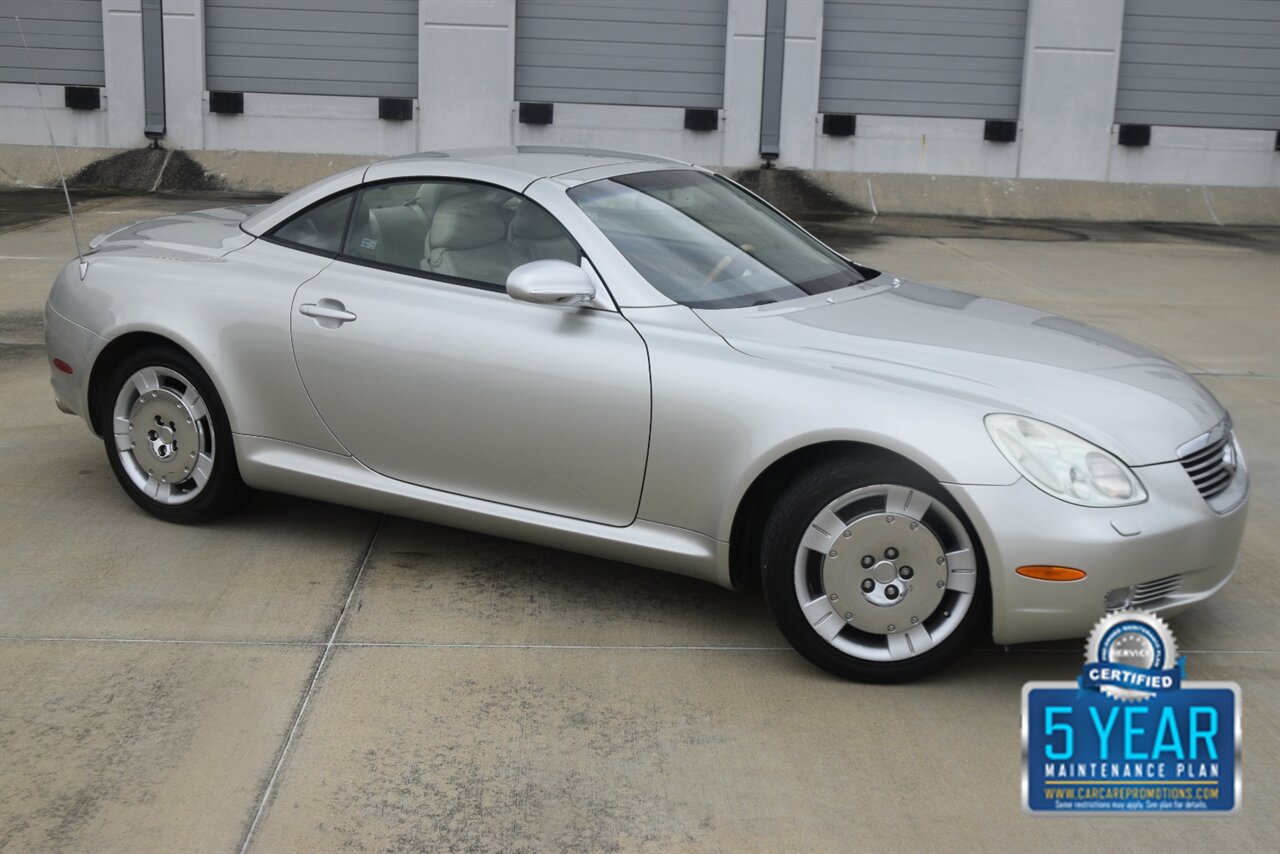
(807, 191)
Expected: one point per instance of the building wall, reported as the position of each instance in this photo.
(1066, 126)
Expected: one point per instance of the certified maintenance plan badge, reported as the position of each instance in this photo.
(1130, 736)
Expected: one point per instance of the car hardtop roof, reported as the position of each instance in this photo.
(514, 167)
(536, 161)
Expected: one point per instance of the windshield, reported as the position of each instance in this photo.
(705, 243)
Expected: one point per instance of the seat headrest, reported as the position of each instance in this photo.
(432, 193)
(533, 223)
(465, 222)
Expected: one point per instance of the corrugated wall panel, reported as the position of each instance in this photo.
(948, 58)
(1197, 64)
(65, 38)
(664, 53)
(313, 47)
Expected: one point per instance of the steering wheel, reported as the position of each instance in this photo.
(717, 270)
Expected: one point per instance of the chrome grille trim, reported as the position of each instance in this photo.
(1209, 460)
(1204, 440)
(1146, 595)
(1149, 592)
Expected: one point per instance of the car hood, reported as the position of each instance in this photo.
(193, 236)
(999, 356)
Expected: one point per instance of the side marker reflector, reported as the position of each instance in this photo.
(1051, 573)
(62, 366)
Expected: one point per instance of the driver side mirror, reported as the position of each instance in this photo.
(550, 282)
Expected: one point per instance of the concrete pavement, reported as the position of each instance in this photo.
(304, 677)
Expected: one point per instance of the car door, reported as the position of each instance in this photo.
(428, 372)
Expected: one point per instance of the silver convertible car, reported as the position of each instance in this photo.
(638, 359)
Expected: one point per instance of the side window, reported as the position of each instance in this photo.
(318, 227)
(454, 229)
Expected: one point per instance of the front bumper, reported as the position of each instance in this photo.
(1173, 547)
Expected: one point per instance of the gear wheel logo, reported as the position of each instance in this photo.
(1130, 648)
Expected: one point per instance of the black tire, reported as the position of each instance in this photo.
(782, 573)
(223, 490)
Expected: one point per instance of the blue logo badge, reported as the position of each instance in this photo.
(1130, 734)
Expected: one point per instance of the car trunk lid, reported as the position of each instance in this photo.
(192, 236)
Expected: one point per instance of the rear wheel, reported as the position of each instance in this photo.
(872, 572)
(167, 437)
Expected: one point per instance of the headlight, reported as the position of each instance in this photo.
(1064, 465)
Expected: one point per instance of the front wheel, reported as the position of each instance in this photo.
(168, 439)
(871, 571)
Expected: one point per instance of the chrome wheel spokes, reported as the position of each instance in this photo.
(885, 573)
(163, 435)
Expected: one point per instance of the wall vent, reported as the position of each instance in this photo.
(226, 102)
(83, 97)
(839, 124)
(536, 114)
(395, 109)
(1135, 135)
(997, 130)
(695, 119)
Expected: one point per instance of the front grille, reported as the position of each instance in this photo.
(1149, 592)
(1147, 595)
(1213, 466)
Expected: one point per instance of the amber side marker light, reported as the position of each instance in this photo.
(1051, 573)
(62, 366)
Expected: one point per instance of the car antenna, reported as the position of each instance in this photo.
(75, 232)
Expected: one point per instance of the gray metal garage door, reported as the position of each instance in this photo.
(312, 47)
(1200, 64)
(950, 58)
(663, 53)
(65, 38)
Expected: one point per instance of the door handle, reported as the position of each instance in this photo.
(327, 309)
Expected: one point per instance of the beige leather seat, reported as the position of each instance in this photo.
(430, 196)
(362, 242)
(399, 233)
(468, 240)
(537, 234)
